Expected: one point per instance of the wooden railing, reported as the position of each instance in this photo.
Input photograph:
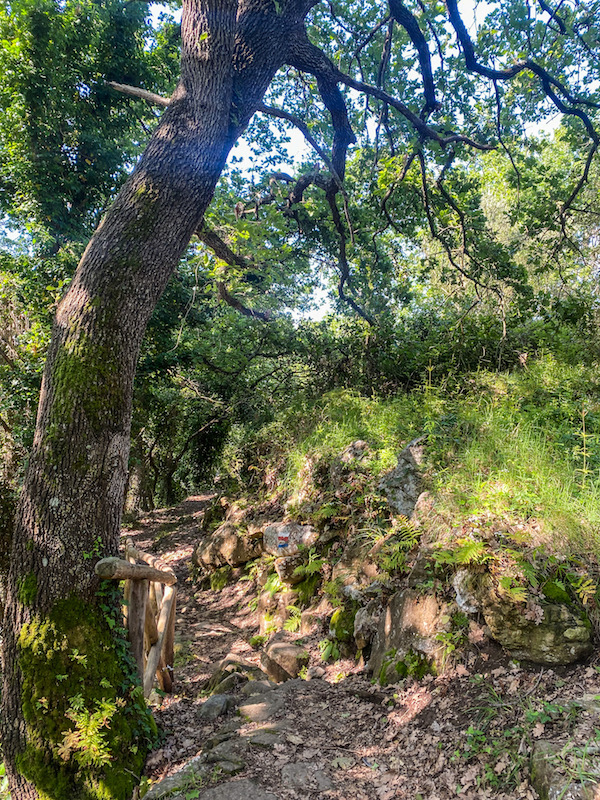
(149, 612)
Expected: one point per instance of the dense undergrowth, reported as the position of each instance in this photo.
(521, 445)
(512, 476)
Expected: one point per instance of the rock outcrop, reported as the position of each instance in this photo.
(286, 539)
(406, 640)
(229, 544)
(403, 485)
(557, 635)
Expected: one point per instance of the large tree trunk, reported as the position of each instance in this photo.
(62, 654)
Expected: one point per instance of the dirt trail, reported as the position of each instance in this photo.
(468, 733)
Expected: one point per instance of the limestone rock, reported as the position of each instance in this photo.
(196, 769)
(295, 535)
(366, 623)
(314, 672)
(286, 566)
(354, 566)
(551, 784)
(315, 616)
(464, 584)
(403, 485)
(262, 707)
(231, 683)
(283, 660)
(216, 706)
(253, 688)
(406, 636)
(232, 749)
(562, 636)
(244, 789)
(341, 624)
(273, 610)
(232, 664)
(266, 738)
(227, 545)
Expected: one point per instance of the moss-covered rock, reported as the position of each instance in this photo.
(408, 639)
(341, 624)
(88, 727)
(561, 635)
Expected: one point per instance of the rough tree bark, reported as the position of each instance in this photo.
(63, 663)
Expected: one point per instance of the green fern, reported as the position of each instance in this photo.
(515, 591)
(292, 623)
(467, 552)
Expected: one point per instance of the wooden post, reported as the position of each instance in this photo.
(137, 618)
(150, 629)
(156, 649)
(168, 651)
(116, 569)
(149, 594)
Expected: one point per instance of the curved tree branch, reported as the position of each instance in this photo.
(403, 17)
(546, 79)
(222, 250)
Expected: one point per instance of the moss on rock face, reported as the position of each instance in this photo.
(341, 624)
(88, 727)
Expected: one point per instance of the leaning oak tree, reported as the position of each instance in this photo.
(74, 724)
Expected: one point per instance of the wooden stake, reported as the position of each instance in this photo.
(137, 617)
(156, 649)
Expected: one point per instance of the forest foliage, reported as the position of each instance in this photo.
(456, 261)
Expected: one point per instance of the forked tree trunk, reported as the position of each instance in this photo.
(64, 662)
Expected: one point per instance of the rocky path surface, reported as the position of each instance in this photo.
(472, 732)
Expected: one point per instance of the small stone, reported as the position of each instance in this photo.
(266, 739)
(265, 708)
(233, 750)
(286, 567)
(231, 683)
(314, 672)
(196, 769)
(216, 706)
(238, 790)
(283, 660)
(256, 687)
(154, 699)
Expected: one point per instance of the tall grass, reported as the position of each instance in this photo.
(498, 444)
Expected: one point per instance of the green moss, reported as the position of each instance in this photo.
(27, 589)
(307, 589)
(555, 593)
(86, 376)
(341, 624)
(88, 728)
(412, 665)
